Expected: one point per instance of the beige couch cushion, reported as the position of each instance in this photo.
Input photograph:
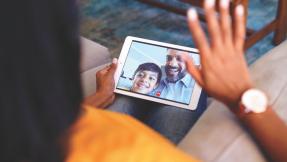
(93, 54)
(218, 136)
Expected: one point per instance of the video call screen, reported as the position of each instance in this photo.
(158, 72)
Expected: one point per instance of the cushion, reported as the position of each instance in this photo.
(93, 54)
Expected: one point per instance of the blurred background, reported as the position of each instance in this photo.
(108, 22)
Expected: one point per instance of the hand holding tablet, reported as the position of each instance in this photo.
(156, 71)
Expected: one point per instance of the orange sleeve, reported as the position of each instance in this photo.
(103, 136)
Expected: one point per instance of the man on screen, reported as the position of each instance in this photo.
(178, 84)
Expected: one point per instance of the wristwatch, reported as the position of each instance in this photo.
(253, 101)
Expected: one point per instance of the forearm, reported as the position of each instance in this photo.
(269, 131)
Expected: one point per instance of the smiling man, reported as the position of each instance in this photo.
(177, 85)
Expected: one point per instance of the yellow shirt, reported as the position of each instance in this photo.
(103, 136)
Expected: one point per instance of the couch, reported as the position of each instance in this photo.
(217, 135)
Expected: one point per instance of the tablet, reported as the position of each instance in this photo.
(154, 71)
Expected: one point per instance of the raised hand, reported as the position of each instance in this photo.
(224, 74)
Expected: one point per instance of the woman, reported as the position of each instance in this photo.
(41, 94)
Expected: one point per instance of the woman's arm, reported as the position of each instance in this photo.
(224, 74)
(269, 131)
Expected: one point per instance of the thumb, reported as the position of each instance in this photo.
(113, 66)
(192, 70)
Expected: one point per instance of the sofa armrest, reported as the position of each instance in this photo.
(94, 57)
(93, 54)
(219, 137)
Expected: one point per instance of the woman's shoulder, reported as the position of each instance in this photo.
(109, 137)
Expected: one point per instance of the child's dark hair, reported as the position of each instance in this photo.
(150, 67)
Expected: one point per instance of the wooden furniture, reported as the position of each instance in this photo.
(278, 25)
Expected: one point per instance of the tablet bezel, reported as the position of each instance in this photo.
(122, 58)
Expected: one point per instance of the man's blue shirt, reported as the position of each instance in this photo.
(179, 91)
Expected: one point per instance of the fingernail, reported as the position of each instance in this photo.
(115, 60)
(192, 14)
(209, 3)
(224, 3)
(240, 10)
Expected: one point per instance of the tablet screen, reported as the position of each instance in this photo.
(157, 71)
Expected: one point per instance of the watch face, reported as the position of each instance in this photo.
(254, 100)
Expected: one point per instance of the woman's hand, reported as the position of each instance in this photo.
(224, 74)
(104, 95)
